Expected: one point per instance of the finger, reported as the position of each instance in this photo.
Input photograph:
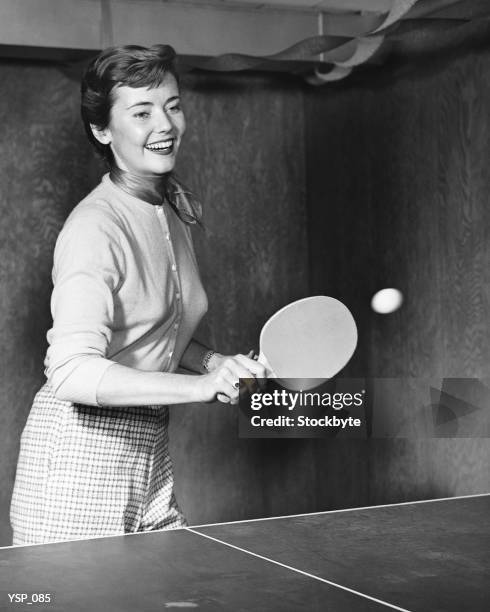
(232, 371)
(255, 367)
(240, 371)
(252, 380)
(226, 386)
(258, 370)
(224, 399)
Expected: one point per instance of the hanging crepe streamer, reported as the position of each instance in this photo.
(303, 50)
(342, 51)
(428, 7)
(397, 11)
(336, 74)
(350, 24)
(422, 38)
(365, 49)
(354, 52)
(350, 39)
(340, 54)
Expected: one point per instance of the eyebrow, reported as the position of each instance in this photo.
(148, 103)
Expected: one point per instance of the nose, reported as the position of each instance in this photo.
(163, 122)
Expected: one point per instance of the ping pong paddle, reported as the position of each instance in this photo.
(307, 342)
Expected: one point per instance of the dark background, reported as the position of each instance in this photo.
(381, 180)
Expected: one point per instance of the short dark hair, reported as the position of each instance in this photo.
(129, 65)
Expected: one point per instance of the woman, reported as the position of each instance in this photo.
(127, 299)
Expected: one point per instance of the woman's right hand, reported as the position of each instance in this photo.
(223, 382)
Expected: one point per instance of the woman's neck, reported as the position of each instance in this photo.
(150, 188)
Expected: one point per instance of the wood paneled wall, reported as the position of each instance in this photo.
(43, 172)
(397, 189)
(393, 170)
(244, 155)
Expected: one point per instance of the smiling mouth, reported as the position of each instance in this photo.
(163, 147)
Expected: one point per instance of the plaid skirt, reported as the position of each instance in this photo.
(86, 471)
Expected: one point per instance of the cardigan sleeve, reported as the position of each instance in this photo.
(87, 271)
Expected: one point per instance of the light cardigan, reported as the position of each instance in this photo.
(126, 290)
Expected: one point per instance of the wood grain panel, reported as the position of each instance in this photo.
(244, 155)
(398, 187)
(43, 157)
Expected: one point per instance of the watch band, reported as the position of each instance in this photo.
(206, 359)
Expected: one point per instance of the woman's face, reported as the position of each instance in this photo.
(145, 128)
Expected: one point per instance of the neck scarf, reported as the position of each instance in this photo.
(157, 189)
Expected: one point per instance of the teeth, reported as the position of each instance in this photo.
(160, 145)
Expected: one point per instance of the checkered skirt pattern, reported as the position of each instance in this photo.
(86, 471)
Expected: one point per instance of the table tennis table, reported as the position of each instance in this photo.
(420, 556)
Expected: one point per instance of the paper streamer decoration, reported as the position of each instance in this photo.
(398, 10)
(350, 39)
(336, 74)
(365, 49)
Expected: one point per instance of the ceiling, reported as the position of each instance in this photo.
(320, 40)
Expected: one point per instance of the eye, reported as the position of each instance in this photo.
(176, 108)
(142, 115)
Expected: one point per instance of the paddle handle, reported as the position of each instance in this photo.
(263, 360)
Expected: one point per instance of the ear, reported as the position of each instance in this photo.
(103, 136)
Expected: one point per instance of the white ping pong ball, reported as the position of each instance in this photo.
(386, 301)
